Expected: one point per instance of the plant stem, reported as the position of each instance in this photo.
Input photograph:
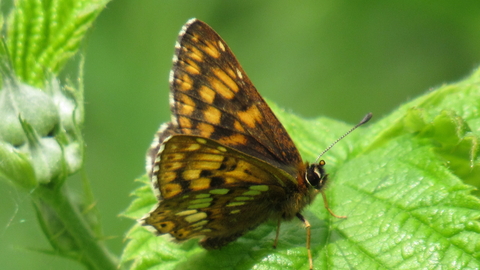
(93, 253)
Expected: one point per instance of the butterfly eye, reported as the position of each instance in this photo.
(316, 175)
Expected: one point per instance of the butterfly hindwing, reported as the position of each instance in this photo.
(207, 189)
(189, 163)
(213, 214)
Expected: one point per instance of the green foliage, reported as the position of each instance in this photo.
(401, 181)
(43, 35)
(41, 143)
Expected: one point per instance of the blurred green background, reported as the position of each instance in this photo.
(339, 59)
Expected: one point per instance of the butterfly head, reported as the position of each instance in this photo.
(316, 175)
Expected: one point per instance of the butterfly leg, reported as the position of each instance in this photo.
(307, 227)
(277, 234)
(325, 202)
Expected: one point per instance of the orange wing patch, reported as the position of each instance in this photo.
(235, 139)
(206, 130)
(211, 49)
(219, 87)
(227, 80)
(186, 123)
(251, 116)
(184, 82)
(212, 115)
(191, 67)
(207, 94)
(194, 53)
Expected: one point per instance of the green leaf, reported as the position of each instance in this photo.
(404, 182)
(43, 35)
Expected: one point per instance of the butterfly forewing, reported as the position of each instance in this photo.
(212, 97)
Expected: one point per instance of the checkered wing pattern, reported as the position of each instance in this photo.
(211, 190)
(224, 164)
(212, 97)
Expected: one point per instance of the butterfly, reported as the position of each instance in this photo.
(224, 164)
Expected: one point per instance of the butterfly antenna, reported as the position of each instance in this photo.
(364, 120)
